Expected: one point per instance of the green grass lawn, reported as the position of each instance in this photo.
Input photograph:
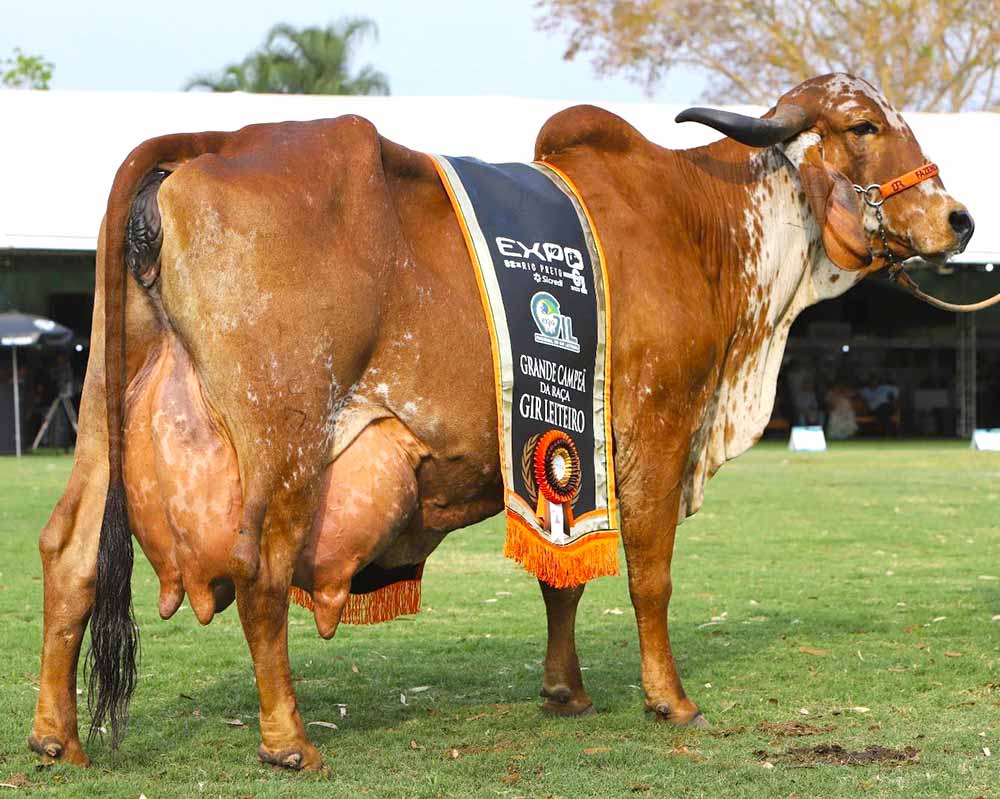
(855, 592)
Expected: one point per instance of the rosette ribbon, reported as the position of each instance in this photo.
(558, 475)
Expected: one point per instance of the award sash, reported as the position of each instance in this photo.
(543, 285)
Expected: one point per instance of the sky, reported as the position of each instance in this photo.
(426, 47)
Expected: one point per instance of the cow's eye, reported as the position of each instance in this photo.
(863, 129)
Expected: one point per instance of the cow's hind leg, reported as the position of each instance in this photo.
(369, 497)
(68, 546)
(263, 608)
(562, 682)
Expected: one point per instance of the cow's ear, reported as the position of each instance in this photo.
(835, 206)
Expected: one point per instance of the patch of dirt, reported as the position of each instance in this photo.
(793, 729)
(726, 732)
(513, 775)
(17, 781)
(836, 755)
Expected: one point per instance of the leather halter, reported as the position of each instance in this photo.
(874, 196)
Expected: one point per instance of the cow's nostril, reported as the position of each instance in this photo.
(961, 222)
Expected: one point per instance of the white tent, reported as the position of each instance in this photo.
(59, 150)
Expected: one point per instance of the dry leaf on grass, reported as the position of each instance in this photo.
(596, 750)
(952, 654)
(814, 652)
(327, 724)
(355, 669)
(686, 751)
(234, 722)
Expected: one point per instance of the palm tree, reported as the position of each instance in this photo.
(302, 61)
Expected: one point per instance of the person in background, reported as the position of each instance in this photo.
(880, 397)
(841, 420)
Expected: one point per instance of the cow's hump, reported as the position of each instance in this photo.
(589, 126)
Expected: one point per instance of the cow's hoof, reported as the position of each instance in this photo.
(699, 721)
(51, 750)
(560, 701)
(682, 717)
(300, 758)
(568, 709)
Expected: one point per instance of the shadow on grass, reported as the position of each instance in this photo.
(459, 679)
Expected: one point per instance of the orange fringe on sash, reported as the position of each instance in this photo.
(561, 566)
(383, 604)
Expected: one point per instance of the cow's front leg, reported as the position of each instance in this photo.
(648, 529)
(263, 607)
(562, 683)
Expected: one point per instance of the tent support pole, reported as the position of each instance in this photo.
(17, 403)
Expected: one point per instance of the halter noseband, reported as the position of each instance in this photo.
(874, 196)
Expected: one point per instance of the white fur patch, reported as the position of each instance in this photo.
(793, 273)
(795, 150)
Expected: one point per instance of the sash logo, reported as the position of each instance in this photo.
(554, 329)
(549, 254)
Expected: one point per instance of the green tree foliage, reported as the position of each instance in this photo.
(23, 71)
(302, 61)
(929, 55)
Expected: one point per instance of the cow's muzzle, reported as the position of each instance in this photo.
(963, 225)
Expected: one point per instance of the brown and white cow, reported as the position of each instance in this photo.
(307, 385)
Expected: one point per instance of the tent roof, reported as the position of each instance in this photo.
(59, 150)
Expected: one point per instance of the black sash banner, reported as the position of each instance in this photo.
(543, 286)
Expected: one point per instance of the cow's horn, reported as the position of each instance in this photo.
(787, 121)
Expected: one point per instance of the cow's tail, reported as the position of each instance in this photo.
(114, 637)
